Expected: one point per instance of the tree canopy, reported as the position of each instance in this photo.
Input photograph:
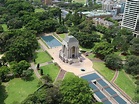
(102, 49)
(132, 65)
(75, 91)
(18, 44)
(113, 61)
(135, 46)
(19, 68)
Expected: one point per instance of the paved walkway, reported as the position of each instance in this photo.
(33, 66)
(115, 76)
(45, 63)
(60, 75)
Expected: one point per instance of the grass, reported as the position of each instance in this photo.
(51, 69)
(56, 35)
(86, 49)
(91, 56)
(125, 83)
(5, 28)
(103, 70)
(79, 1)
(39, 10)
(62, 35)
(69, 75)
(42, 57)
(18, 89)
(119, 54)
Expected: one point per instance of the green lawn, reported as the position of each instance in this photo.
(5, 27)
(42, 57)
(91, 56)
(51, 69)
(126, 84)
(18, 89)
(122, 56)
(62, 35)
(39, 10)
(102, 69)
(79, 1)
(85, 49)
(69, 75)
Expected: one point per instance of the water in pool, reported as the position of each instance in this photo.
(51, 41)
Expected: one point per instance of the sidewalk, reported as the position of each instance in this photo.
(60, 75)
(35, 70)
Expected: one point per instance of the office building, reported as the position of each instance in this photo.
(131, 16)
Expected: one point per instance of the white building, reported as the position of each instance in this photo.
(131, 16)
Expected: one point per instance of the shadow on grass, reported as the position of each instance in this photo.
(28, 79)
(3, 94)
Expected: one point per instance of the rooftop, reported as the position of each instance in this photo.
(96, 13)
(70, 39)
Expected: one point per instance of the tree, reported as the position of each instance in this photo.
(38, 66)
(87, 26)
(61, 29)
(3, 72)
(132, 65)
(20, 68)
(113, 61)
(86, 40)
(46, 79)
(136, 98)
(90, 3)
(76, 18)
(134, 49)
(1, 29)
(53, 95)
(15, 23)
(26, 74)
(76, 91)
(122, 39)
(47, 94)
(41, 71)
(102, 49)
(19, 45)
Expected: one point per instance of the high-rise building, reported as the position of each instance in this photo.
(131, 16)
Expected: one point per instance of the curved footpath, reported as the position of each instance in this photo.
(115, 76)
(118, 88)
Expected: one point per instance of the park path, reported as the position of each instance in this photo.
(60, 75)
(33, 66)
(118, 88)
(45, 63)
(115, 76)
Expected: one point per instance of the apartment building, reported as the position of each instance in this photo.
(131, 16)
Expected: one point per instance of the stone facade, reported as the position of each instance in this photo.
(70, 49)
